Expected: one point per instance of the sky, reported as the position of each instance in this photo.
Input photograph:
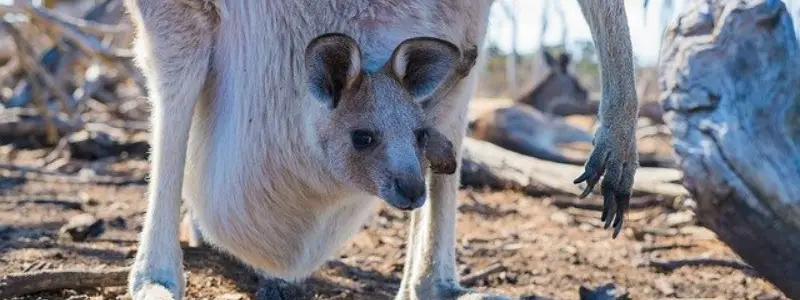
(645, 34)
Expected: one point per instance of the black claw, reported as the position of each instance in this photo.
(583, 177)
(608, 203)
(586, 191)
(608, 221)
(590, 183)
(617, 230)
(618, 224)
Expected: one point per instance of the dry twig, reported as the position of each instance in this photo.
(87, 26)
(31, 173)
(672, 265)
(68, 27)
(482, 274)
(32, 65)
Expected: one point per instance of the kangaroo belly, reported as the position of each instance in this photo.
(289, 247)
(285, 232)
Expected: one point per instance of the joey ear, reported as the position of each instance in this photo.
(333, 65)
(440, 153)
(423, 64)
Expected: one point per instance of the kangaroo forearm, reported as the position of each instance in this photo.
(609, 26)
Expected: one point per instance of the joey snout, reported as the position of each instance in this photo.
(407, 191)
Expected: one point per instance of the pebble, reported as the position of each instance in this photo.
(513, 246)
(118, 222)
(82, 227)
(231, 296)
(570, 249)
(678, 218)
(664, 286)
(88, 200)
(561, 217)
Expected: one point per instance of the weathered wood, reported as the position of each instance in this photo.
(729, 80)
(485, 164)
(526, 130)
(14, 285)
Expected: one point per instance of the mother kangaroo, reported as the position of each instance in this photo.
(282, 145)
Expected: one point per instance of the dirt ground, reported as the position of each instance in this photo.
(544, 250)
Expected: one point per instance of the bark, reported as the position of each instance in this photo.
(729, 84)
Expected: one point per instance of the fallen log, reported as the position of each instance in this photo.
(526, 130)
(15, 285)
(729, 80)
(487, 165)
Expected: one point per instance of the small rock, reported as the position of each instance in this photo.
(118, 222)
(88, 200)
(83, 227)
(690, 203)
(561, 217)
(513, 246)
(664, 286)
(586, 227)
(570, 249)
(131, 253)
(392, 241)
(605, 292)
(231, 296)
(679, 218)
(365, 241)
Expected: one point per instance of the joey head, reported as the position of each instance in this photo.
(376, 134)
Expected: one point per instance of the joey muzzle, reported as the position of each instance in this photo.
(408, 191)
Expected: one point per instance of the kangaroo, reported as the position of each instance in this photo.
(555, 90)
(261, 139)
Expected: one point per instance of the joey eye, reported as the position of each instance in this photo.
(362, 139)
(422, 136)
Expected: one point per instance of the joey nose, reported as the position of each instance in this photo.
(412, 190)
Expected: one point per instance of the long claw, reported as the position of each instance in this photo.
(623, 200)
(618, 222)
(594, 177)
(586, 191)
(586, 174)
(608, 197)
(617, 229)
(608, 219)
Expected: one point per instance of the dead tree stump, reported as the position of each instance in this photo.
(730, 84)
